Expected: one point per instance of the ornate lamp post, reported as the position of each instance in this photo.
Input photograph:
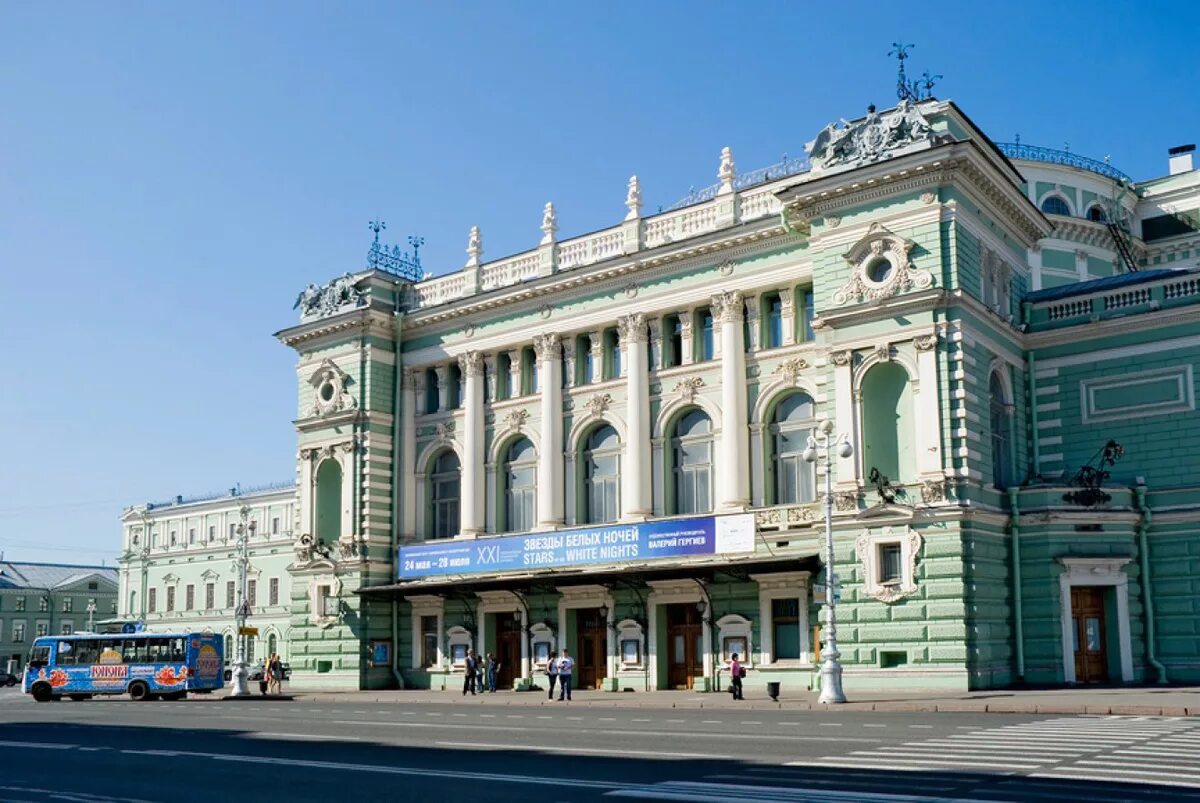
(91, 612)
(244, 532)
(831, 669)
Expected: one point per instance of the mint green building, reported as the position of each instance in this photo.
(597, 444)
(50, 599)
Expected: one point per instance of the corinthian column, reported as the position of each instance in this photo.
(404, 470)
(548, 349)
(472, 509)
(635, 474)
(728, 311)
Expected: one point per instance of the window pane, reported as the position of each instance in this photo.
(889, 563)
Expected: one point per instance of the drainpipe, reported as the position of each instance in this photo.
(1033, 416)
(397, 396)
(1143, 528)
(1014, 504)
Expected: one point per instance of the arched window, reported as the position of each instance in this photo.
(329, 501)
(791, 425)
(692, 454)
(888, 426)
(1055, 205)
(520, 486)
(272, 644)
(1001, 433)
(444, 494)
(1096, 214)
(602, 477)
(229, 656)
(133, 608)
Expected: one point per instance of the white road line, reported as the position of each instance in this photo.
(542, 717)
(434, 725)
(522, 716)
(830, 724)
(755, 721)
(869, 724)
(39, 745)
(602, 719)
(701, 792)
(1144, 778)
(947, 757)
(641, 720)
(310, 737)
(713, 721)
(927, 727)
(677, 721)
(955, 763)
(610, 751)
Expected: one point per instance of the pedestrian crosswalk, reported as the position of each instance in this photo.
(1125, 749)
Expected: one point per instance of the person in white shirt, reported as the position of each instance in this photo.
(566, 665)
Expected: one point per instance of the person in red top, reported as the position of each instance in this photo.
(735, 674)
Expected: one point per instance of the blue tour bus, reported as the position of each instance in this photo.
(143, 665)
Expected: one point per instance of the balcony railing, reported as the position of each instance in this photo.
(1169, 291)
(1035, 153)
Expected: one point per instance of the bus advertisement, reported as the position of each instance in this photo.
(143, 665)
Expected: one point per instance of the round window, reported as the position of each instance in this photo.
(327, 391)
(879, 270)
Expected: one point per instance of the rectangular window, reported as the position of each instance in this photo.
(612, 354)
(807, 313)
(273, 591)
(170, 599)
(67, 604)
(40, 629)
(68, 628)
(212, 533)
(19, 605)
(173, 538)
(529, 372)
(229, 594)
(232, 531)
(43, 604)
(191, 535)
(327, 601)
(18, 633)
(672, 328)
(189, 598)
(275, 526)
(429, 641)
(431, 390)
(252, 592)
(773, 309)
(785, 628)
(586, 359)
(705, 344)
(890, 570)
(210, 596)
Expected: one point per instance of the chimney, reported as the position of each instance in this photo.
(1181, 159)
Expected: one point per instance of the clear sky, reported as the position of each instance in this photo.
(172, 174)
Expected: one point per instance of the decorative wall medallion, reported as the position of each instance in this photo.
(330, 383)
(928, 198)
(933, 491)
(726, 267)
(845, 501)
(881, 268)
(597, 405)
(469, 330)
(833, 221)
(840, 358)
(925, 342)
(687, 388)
(631, 290)
(790, 369)
(516, 418)
(444, 430)
(546, 311)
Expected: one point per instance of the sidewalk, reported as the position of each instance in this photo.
(1140, 701)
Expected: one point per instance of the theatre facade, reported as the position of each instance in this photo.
(598, 445)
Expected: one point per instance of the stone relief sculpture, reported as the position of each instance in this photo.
(319, 302)
(330, 382)
(871, 139)
(881, 268)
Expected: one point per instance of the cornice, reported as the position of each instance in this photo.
(1090, 330)
(364, 319)
(884, 308)
(1087, 232)
(729, 243)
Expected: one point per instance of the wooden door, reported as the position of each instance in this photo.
(685, 646)
(591, 649)
(508, 649)
(1090, 639)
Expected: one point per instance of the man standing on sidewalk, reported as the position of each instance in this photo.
(566, 665)
(469, 678)
(552, 673)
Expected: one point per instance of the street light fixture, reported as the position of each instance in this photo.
(244, 532)
(831, 668)
(91, 612)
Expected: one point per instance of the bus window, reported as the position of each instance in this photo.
(85, 652)
(39, 656)
(134, 651)
(178, 653)
(66, 653)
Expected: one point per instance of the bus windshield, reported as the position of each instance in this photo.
(39, 655)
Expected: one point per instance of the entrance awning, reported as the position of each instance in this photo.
(595, 575)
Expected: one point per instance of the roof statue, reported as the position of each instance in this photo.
(319, 302)
(870, 139)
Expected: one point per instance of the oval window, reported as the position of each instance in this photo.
(879, 270)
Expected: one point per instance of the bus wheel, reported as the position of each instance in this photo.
(42, 693)
(139, 691)
(78, 697)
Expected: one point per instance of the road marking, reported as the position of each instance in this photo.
(39, 745)
(712, 721)
(677, 721)
(616, 750)
(1063, 773)
(313, 737)
(540, 717)
(926, 727)
(600, 719)
(706, 792)
(830, 724)
(521, 716)
(641, 720)
(435, 725)
(868, 724)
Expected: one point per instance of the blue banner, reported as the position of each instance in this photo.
(615, 543)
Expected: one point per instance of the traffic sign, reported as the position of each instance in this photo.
(244, 609)
(247, 631)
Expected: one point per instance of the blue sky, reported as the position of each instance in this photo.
(172, 174)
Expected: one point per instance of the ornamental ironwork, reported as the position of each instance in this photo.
(400, 263)
(1091, 477)
(787, 166)
(1036, 153)
(884, 487)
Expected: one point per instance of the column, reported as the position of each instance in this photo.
(514, 374)
(489, 375)
(754, 319)
(843, 398)
(655, 343)
(405, 471)
(686, 319)
(443, 385)
(525, 669)
(307, 481)
(925, 405)
(1081, 265)
(787, 314)
(728, 313)
(635, 472)
(472, 502)
(596, 346)
(548, 348)
(569, 363)
(1035, 266)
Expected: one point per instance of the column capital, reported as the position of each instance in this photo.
(840, 358)
(408, 380)
(632, 328)
(727, 306)
(471, 363)
(547, 346)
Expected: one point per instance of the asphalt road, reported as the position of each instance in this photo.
(114, 750)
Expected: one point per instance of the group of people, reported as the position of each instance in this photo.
(560, 669)
(271, 681)
(480, 673)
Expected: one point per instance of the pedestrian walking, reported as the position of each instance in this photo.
(469, 665)
(552, 673)
(493, 667)
(275, 669)
(481, 670)
(736, 673)
(566, 666)
(261, 670)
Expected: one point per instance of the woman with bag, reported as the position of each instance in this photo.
(736, 673)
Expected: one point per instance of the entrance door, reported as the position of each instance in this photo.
(1087, 622)
(685, 645)
(591, 648)
(508, 649)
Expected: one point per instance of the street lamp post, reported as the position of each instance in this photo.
(831, 668)
(244, 532)
(91, 612)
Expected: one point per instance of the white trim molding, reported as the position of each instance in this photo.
(1095, 572)
(1180, 375)
(784, 585)
(867, 548)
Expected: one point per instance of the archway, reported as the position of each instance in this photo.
(329, 501)
(887, 423)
